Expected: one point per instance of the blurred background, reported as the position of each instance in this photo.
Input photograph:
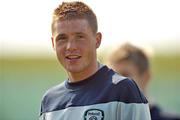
(28, 64)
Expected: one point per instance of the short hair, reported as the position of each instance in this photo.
(130, 53)
(74, 10)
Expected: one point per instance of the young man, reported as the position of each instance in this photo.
(92, 91)
(131, 61)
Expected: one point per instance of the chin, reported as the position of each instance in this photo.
(74, 69)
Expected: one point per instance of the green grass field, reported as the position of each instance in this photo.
(24, 80)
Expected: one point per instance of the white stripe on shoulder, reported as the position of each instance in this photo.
(116, 78)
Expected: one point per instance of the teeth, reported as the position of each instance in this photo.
(73, 57)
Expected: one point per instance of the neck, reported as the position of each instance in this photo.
(80, 76)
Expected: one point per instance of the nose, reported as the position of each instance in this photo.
(71, 45)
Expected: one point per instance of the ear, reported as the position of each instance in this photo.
(53, 42)
(98, 39)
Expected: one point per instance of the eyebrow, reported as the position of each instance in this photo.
(79, 33)
(63, 34)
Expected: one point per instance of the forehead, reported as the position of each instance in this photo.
(72, 26)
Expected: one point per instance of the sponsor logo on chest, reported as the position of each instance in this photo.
(94, 114)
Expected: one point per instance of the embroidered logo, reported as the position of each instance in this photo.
(94, 114)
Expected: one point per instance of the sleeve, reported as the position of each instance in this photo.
(43, 107)
(133, 111)
(42, 117)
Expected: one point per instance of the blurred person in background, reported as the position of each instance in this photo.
(91, 91)
(131, 61)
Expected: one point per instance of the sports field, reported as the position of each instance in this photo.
(24, 80)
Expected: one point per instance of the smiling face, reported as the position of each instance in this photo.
(75, 46)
